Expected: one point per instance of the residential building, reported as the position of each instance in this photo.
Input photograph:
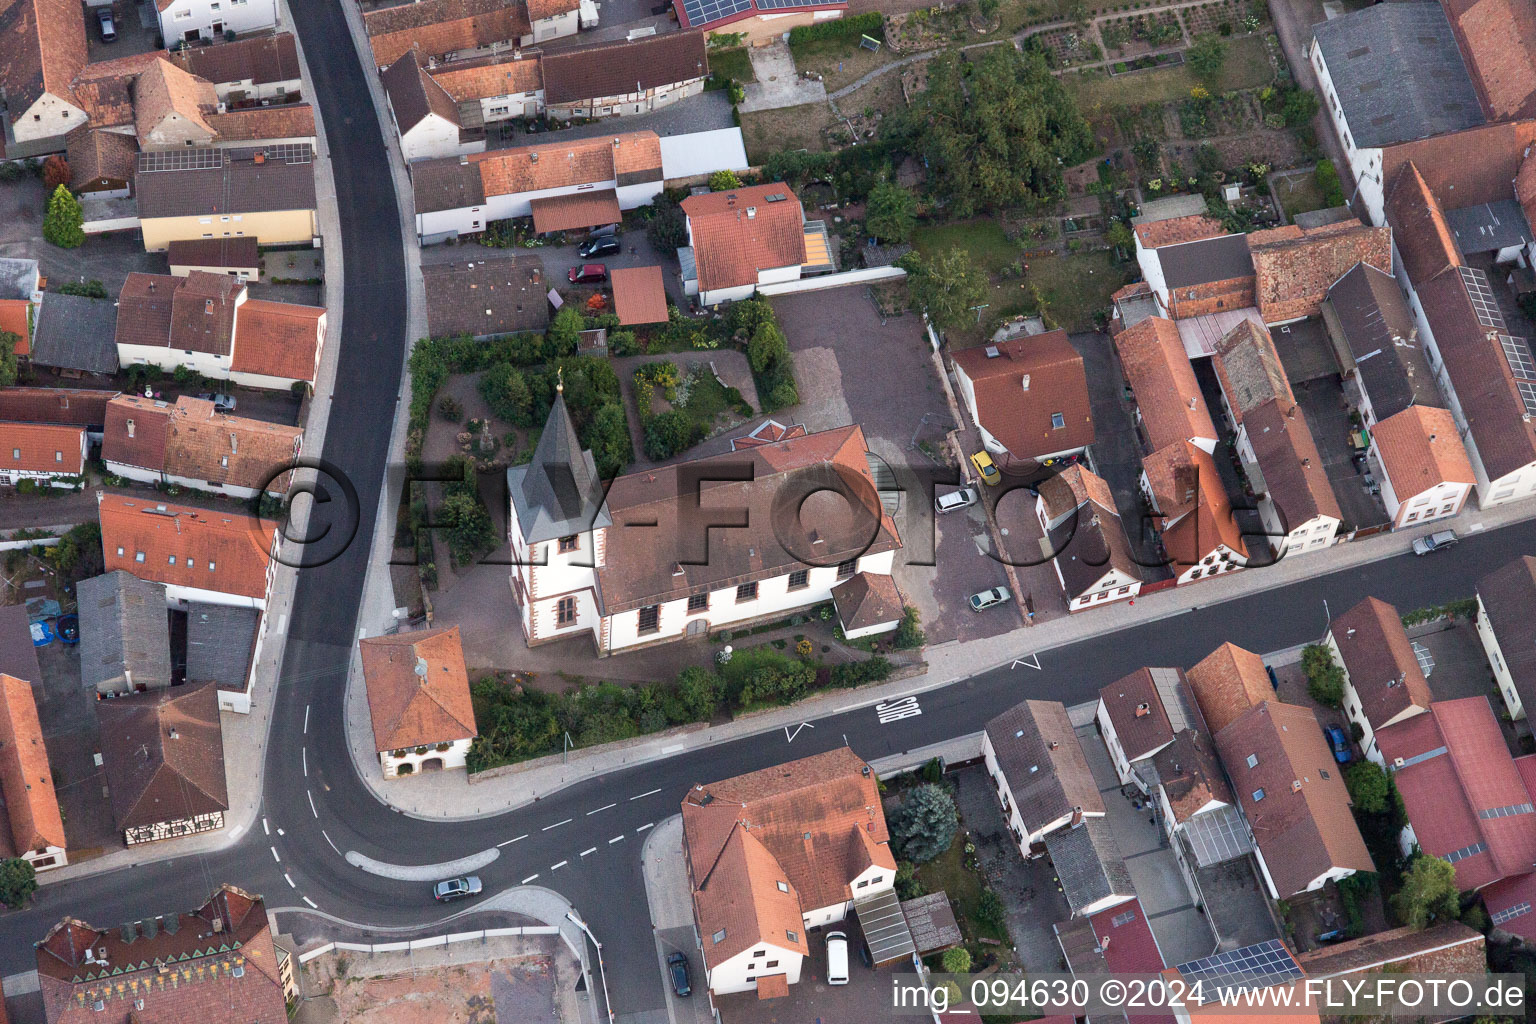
(1294, 267)
(81, 407)
(1424, 470)
(418, 700)
(496, 88)
(251, 69)
(1115, 941)
(868, 604)
(1194, 267)
(21, 292)
(1498, 39)
(757, 21)
(633, 77)
(426, 117)
(1194, 805)
(741, 239)
(76, 333)
(44, 50)
(1447, 947)
(125, 637)
(1089, 867)
(1293, 796)
(1466, 799)
(1169, 406)
(551, 19)
(1041, 774)
(36, 828)
(443, 30)
(561, 185)
(1250, 373)
(1028, 397)
(208, 322)
(234, 257)
(1505, 598)
(1383, 683)
(164, 762)
(45, 454)
(197, 20)
(1140, 715)
(1200, 535)
(774, 853)
(1486, 374)
(1296, 502)
(1226, 683)
(200, 555)
(166, 968)
(1377, 345)
(188, 444)
(1241, 976)
(486, 297)
(101, 163)
(223, 644)
(1091, 551)
(585, 563)
(267, 192)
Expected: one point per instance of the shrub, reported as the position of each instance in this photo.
(723, 181)
(608, 438)
(506, 392)
(1325, 679)
(10, 363)
(857, 673)
(766, 348)
(1368, 788)
(933, 770)
(925, 824)
(1299, 107)
(910, 634)
(1428, 892)
(668, 433)
(1353, 892)
(18, 881)
(907, 886)
(449, 409)
(62, 224)
(668, 228)
(871, 24)
(55, 172)
(990, 910)
(87, 289)
(956, 961)
(1327, 178)
(891, 212)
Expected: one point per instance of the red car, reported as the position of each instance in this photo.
(588, 273)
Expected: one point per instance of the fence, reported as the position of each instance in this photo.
(17, 545)
(868, 275)
(436, 940)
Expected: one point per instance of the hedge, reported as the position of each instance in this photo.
(871, 24)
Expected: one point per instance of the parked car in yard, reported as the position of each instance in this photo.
(221, 401)
(106, 25)
(588, 273)
(989, 599)
(677, 971)
(602, 245)
(456, 888)
(1435, 542)
(1338, 742)
(955, 500)
(986, 467)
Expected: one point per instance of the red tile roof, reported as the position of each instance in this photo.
(1024, 386)
(1291, 465)
(1423, 237)
(1517, 894)
(1525, 188)
(79, 406)
(190, 439)
(620, 68)
(1176, 230)
(438, 27)
(1379, 658)
(639, 295)
(1421, 449)
(738, 233)
(25, 779)
(418, 689)
(1129, 946)
(195, 313)
(1457, 181)
(1136, 711)
(225, 552)
(44, 50)
(1292, 277)
(574, 211)
(1192, 500)
(624, 157)
(1227, 682)
(1498, 38)
(1167, 394)
(278, 339)
(42, 448)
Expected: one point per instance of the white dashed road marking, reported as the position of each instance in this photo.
(275, 856)
(651, 792)
(649, 824)
(311, 903)
(605, 807)
(312, 803)
(509, 842)
(585, 852)
(528, 879)
(331, 841)
(557, 824)
(615, 839)
(556, 867)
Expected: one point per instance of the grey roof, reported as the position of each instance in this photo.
(76, 333)
(1488, 226)
(1211, 259)
(124, 633)
(1398, 73)
(18, 277)
(208, 181)
(1088, 545)
(1043, 763)
(447, 184)
(1309, 220)
(1382, 337)
(18, 658)
(486, 296)
(220, 639)
(1088, 864)
(558, 493)
(1170, 207)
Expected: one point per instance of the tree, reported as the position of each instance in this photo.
(1299, 108)
(990, 910)
(1327, 178)
(907, 886)
(699, 690)
(1325, 679)
(1368, 787)
(890, 212)
(55, 172)
(1206, 58)
(1428, 893)
(505, 391)
(668, 433)
(468, 525)
(668, 228)
(608, 438)
(909, 634)
(995, 133)
(78, 556)
(748, 315)
(1120, 235)
(925, 824)
(766, 348)
(988, 8)
(18, 881)
(947, 286)
(723, 181)
(956, 961)
(62, 224)
(564, 331)
(9, 362)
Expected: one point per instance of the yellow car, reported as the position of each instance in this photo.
(983, 463)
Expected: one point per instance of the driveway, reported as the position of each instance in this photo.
(558, 259)
(70, 732)
(848, 362)
(1322, 402)
(105, 258)
(778, 83)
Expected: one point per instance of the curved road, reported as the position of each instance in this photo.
(583, 841)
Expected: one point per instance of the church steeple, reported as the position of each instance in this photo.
(559, 492)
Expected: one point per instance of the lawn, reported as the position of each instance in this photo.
(883, 95)
(948, 874)
(1299, 194)
(786, 128)
(840, 61)
(1078, 285)
(1246, 67)
(733, 63)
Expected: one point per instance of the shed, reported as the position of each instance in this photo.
(576, 211)
(76, 333)
(639, 295)
(868, 603)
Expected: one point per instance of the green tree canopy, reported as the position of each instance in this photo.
(468, 525)
(994, 133)
(766, 347)
(723, 181)
(608, 438)
(1368, 787)
(18, 881)
(63, 223)
(1206, 58)
(505, 391)
(1428, 894)
(925, 824)
(947, 286)
(8, 358)
(891, 212)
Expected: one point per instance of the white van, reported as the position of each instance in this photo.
(837, 958)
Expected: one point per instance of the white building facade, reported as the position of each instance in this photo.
(195, 20)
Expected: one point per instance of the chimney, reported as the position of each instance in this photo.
(1143, 709)
(421, 668)
(1077, 817)
(1431, 438)
(260, 157)
(1026, 382)
(1295, 785)
(208, 306)
(1193, 403)
(130, 430)
(218, 925)
(234, 443)
(751, 212)
(173, 734)
(1290, 413)
(1054, 744)
(532, 157)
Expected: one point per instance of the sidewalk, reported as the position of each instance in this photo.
(671, 901)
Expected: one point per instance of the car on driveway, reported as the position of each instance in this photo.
(588, 273)
(456, 888)
(677, 972)
(989, 599)
(1435, 542)
(221, 401)
(1338, 742)
(955, 500)
(106, 25)
(986, 467)
(602, 245)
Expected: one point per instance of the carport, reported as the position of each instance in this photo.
(576, 211)
(885, 929)
(639, 295)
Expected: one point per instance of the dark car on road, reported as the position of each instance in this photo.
(602, 245)
(456, 889)
(677, 971)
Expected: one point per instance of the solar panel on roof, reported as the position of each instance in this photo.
(1257, 966)
(1481, 294)
(1518, 355)
(703, 12)
(769, 5)
(181, 160)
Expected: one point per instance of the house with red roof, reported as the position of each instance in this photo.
(1028, 396)
(48, 454)
(1116, 941)
(211, 557)
(1383, 683)
(741, 239)
(418, 699)
(1469, 802)
(36, 828)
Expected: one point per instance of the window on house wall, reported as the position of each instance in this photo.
(746, 592)
(570, 543)
(846, 569)
(698, 603)
(650, 618)
(799, 578)
(565, 611)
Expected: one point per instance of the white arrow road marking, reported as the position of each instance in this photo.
(789, 737)
(896, 710)
(1033, 661)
